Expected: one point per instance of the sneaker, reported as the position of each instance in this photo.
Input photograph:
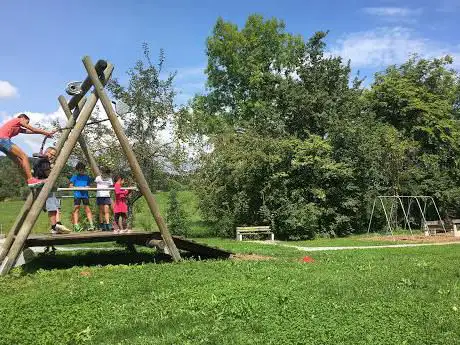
(35, 182)
(62, 229)
(77, 228)
(91, 228)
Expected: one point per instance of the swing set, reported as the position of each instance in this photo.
(78, 111)
(409, 212)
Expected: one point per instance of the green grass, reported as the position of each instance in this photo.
(386, 296)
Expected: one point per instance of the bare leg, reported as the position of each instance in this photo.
(53, 217)
(106, 213)
(75, 214)
(17, 155)
(101, 214)
(89, 215)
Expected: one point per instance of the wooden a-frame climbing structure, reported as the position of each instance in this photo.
(82, 107)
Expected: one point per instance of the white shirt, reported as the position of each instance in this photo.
(103, 183)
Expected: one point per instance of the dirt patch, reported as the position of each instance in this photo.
(416, 238)
(251, 257)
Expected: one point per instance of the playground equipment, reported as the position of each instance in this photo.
(97, 76)
(403, 205)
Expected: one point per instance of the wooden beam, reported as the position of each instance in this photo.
(91, 189)
(136, 169)
(16, 226)
(37, 206)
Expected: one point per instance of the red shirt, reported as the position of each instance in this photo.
(11, 128)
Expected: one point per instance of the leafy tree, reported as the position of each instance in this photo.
(282, 95)
(421, 100)
(149, 100)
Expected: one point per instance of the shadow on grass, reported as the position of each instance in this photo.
(65, 260)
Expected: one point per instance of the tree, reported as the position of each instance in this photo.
(421, 100)
(271, 103)
(176, 216)
(149, 102)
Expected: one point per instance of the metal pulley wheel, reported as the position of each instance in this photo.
(73, 88)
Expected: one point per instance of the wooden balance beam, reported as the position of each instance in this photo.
(143, 238)
(90, 189)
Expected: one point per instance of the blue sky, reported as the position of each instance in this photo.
(42, 42)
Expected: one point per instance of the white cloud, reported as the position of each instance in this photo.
(7, 90)
(392, 11)
(385, 46)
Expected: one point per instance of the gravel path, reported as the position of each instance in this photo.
(317, 249)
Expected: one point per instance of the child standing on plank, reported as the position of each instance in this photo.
(12, 128)
(121, 207)
(81, 180)
(103, 199)
(42, 169)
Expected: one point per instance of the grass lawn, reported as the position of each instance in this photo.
(386, 296)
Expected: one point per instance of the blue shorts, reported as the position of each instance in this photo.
(78, 201)
(103, 201)
(5, 145)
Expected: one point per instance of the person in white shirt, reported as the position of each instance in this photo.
(103, 199)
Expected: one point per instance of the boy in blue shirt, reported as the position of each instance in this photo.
(81, 197)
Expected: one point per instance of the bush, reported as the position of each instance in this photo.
(176, 216)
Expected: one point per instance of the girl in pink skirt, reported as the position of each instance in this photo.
(120, 209)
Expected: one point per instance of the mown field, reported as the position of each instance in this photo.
(385, 296)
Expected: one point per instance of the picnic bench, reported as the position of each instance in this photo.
(253, 230)
(432, 227)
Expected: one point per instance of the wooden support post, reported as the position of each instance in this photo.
(82, 141)
(139, 176)
(31, 197)
(16, 226)
(61, 160)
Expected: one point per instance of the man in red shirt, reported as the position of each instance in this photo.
(12, 128)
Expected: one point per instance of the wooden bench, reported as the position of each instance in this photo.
(254, 230)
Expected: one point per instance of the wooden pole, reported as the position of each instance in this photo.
(16, 226)
(139, 176)
(61, 160)
(92, 189)
(82, 141)
(31, 197)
